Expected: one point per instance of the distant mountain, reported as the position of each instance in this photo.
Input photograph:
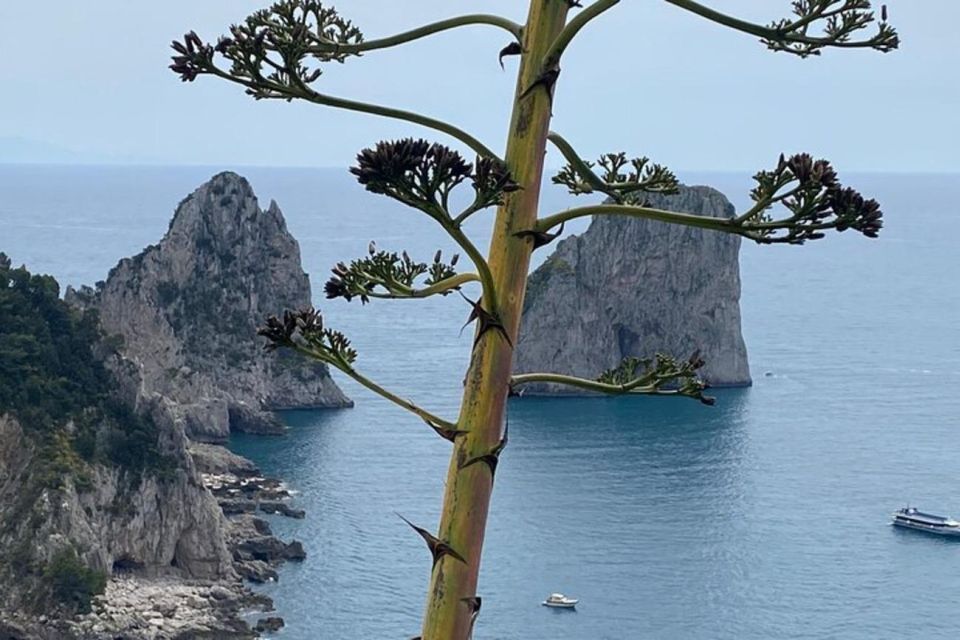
(20, 150)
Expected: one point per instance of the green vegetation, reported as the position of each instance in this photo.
(73, 584)
(280, 53)
(50, 376)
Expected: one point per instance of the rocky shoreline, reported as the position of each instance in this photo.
(241, 490)
(139, 606)
(136, 608)
(175, 544)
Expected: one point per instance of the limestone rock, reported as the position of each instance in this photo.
(187, 310)
(270, 624)
(213, 459)
(167, 525)
(630, 287)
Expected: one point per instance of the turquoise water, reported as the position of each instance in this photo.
(762, 517)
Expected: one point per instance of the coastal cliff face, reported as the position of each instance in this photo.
(89, 488)
(631, 287)
(154, 524)
(115, 519)
(155, 542)
(187, 310)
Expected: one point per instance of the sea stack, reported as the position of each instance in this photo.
(187, 311)
(632, 287)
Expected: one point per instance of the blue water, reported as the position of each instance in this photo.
(762, 517)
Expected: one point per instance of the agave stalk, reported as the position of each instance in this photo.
(466, 502)
(278, 54)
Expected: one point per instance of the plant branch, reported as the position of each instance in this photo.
(721, 18)
(630, 211)
(580, 383)
(792, 35)
(479, 261)
(290, 80)
(570, 31)
(840, 20)
(621, 176)
(376, 388)
(440, 288)
(581, 166)
(661, 375)
(316, 97)
(304, 331)
(807, 189)
(389, 275)
(421, 32)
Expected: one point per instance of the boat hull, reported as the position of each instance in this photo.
(559, 605)
(949, 532)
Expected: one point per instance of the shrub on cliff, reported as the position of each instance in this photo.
(73, 584)
(50, 376)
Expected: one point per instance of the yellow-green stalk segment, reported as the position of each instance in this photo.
(451, 601)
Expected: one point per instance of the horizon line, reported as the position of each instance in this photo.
(223, 167)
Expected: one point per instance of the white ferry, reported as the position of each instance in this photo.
(910, 518)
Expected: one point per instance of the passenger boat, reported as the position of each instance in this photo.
(910, 518)
(560, 601)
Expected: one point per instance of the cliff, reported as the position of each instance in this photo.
(154, 522)
(631, 287)
(115, 519)
(88, 488)
(187, 310)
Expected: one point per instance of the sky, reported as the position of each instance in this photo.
(88, 82)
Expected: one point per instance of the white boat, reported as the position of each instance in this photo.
(911, 518)
(560, 601)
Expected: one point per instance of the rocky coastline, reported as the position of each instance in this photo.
(178, 544)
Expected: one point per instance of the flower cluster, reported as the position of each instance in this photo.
(304, 331)
(620, 177)
(816, 200)
(423, 175)
(275, 51)
(394, 274)
(660, 373)
(840, 20)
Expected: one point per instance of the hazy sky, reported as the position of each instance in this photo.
(647, 78)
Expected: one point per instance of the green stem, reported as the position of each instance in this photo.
(562, 41)
(452, 595)
(686, 219)
(486, 276)
(376, 388)
(765, 204)
(306, 93)
(579, 164)
(427, 30)
(397, 400)
(590, 385)
(444, 286)
(398, 114)
(761, 31)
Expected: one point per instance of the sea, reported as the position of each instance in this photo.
(765, 516)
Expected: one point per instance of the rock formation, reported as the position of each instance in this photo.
(631, 287)
(187, 310)
(107, 482)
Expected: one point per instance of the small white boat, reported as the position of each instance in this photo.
(560, 601)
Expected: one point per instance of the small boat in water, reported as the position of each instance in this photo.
(910, 518)
(560, 601)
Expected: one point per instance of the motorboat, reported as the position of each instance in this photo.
(911, 518)
(560, 601)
